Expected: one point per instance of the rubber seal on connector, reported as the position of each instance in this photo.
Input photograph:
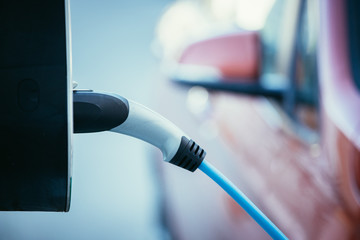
(189, 155)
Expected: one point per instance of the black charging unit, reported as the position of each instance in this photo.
(36, 105)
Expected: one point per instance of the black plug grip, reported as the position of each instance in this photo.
(189, 155)
(95, 112)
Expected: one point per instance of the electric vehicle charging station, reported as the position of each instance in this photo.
(38, 99)
(43, 185)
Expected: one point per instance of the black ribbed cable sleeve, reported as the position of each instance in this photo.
(189, 155)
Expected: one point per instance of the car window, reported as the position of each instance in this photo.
(354, 38)
(289, 50)
(306, 69)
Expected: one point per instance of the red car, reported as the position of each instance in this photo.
(281, 118)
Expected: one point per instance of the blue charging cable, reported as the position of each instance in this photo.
(242, 200)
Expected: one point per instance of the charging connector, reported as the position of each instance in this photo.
(94, 112)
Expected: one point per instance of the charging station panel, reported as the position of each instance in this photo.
(36, 106)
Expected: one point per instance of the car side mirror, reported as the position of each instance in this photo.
(236, 56)
(230, 62)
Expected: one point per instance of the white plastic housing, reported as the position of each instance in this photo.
(153, 128)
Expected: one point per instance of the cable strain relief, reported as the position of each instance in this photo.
(189, 155)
